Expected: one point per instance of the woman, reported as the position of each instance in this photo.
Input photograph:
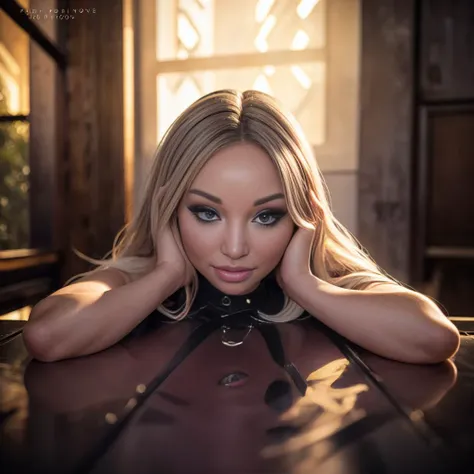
(234, 198)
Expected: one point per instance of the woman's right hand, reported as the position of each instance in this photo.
(170, 256)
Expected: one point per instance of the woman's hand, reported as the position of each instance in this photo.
(295, 263)
(170, 256)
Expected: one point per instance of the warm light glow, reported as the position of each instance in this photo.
(266, 28)
(9, 61)
(300, 41)
(262, 9)
(305, 8)
(186, 33)
(171, 102)
(261, 84)
(269, 70)
(301, 77)
(9, 71)
(182, 54)
(198, 54)
(331, 403)
(21, 314)
(13, 88)
(128, 105)
(188, 91)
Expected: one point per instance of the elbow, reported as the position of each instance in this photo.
(443, 344)
(38, 342)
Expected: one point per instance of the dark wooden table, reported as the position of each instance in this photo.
(124, 410)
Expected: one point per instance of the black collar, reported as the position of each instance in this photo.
(267, 298)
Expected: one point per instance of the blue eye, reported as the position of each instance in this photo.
(267, 218)
(270, 215)
(200, 212)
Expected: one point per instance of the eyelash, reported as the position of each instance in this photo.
(196, 210)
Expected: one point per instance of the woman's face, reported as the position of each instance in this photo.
(235, 215)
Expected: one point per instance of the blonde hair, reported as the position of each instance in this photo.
(208, 125)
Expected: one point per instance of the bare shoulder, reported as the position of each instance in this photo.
(97, 282)
(83, 291)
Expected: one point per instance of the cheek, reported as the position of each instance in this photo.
(273, 246)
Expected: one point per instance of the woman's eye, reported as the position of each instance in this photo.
(205, 215)
(267, 218)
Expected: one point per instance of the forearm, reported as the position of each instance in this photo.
(74, 329)
(403, 326)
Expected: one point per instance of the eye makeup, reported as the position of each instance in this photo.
(268, 217)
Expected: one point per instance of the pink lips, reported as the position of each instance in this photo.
(233, 276)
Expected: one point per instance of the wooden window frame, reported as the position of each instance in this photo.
(149, 67)
(27, 275)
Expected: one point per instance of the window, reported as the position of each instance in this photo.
(303, 52)
(268, 45)
(14, 135)
(31, 66)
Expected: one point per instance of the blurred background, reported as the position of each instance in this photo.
(383, 89)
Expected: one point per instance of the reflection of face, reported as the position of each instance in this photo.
(227, 228)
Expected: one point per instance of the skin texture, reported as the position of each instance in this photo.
(386, 319)
(236, 234)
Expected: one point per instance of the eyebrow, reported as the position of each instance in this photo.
(217, 200)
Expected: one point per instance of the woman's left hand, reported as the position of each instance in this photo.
(295, 263)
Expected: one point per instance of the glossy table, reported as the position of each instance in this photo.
(124, 410)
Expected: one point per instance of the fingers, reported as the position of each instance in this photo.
(301, 247)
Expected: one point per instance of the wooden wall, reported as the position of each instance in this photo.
(416, 204)
(93, 164)
(444, 152)
(446, 50)
(386, 133)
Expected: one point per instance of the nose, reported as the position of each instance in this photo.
(235, 244)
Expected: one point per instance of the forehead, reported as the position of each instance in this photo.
(240, 165)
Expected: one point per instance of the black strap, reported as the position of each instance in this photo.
(271, 334)
(272, 338)
(198, 335)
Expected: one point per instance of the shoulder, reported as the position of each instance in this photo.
(96, 281)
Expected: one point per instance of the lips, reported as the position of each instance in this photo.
(232, 276)
(234, 269)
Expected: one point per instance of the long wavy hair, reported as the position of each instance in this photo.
(211, 123)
